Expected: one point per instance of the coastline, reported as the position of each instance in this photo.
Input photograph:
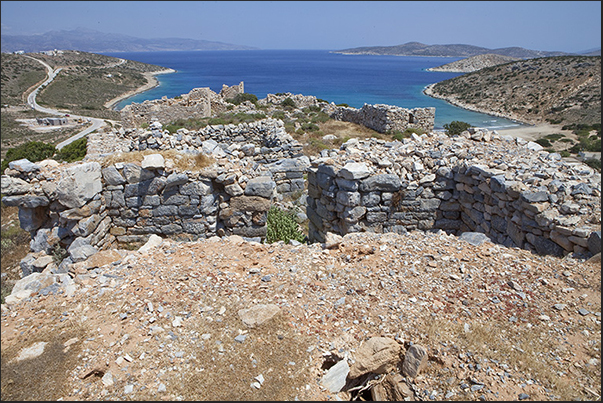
(529, 131)
(152, 82)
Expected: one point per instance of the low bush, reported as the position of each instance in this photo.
(593, 163)
(278, 115)
(75, 151)
(282, 226)
(456, 127)
(34, 151)
(309, 127)
(288, 103)
(544, 142)
(240, 98)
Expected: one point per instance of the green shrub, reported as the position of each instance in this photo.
(311, 108)
(309, 127)
(288, 102)
(344, 105)
(554, 137)
(58, 254)
(320, 117)
(593, 163)
(411, 130)
(282, 226)
(278, 115)
(240, 98)
(74, 151)
(34, 151)
(544, 142)
(456, 127)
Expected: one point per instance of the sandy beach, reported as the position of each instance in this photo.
(534, 132)
(527, 131)
(152, 82)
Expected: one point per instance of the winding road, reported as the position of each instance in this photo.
(31, 101)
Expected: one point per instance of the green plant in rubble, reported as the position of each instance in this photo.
(58, 254)
(281, 226)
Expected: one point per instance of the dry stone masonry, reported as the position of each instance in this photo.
(506, 189)
(387, 118)
(198, 103)
(478, 185)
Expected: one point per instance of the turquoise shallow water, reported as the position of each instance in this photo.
(351, 79)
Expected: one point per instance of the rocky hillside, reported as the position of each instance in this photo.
(474, 63)
(564, 89)
(455, 50)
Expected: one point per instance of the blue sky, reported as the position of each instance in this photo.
(569, 26)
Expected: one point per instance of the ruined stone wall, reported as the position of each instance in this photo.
(232, 91)
(265, 140)
(387, 118)
(301, 101)
(83, 207)
(198, 103)
(510, 190)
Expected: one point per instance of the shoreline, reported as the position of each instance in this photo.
(428, 91)
(152, 82)
(528, 131)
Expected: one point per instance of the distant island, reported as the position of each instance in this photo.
(420, 49)
(88, 40)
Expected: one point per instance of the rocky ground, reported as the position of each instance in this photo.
(168, 323)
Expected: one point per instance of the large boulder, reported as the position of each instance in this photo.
(79, 184)
(377, 355)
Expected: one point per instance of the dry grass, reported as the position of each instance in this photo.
(44, 378)
(314, 142)
(181, 161)
(530, 350)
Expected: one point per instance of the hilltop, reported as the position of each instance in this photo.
(474, 63)
(562, 89)
(454, 50)
(88, 40)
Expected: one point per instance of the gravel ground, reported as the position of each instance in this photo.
(498, 323)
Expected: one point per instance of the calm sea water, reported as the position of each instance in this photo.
(351, 79)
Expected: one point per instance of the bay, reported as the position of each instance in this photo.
(350, 79)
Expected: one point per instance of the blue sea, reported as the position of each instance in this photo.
(351, 79)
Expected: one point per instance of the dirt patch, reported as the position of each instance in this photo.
(165, 324)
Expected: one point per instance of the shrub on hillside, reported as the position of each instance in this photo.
(288, 102)
(75, 151)
(240, 98)
(456, 127)
(34, 151)
(281, 226)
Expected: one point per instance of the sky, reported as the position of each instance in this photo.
(566, 26)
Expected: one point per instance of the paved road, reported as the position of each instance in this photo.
(31, 101)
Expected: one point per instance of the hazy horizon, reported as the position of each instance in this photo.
(565, 26)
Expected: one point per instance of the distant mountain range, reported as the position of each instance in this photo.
(420, 49)
(87, 40)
